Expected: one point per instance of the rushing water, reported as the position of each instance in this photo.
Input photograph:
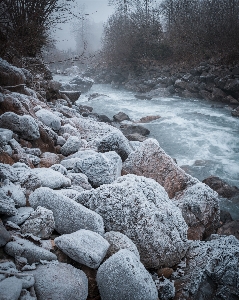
(203, 139)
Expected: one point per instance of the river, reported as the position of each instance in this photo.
(203, 139)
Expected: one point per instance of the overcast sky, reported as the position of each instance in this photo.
(98, 11)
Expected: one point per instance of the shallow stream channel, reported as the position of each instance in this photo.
(201, 135)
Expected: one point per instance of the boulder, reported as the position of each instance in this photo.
(199, 204)
(103, 137)
(100, 168)
(218, 95)
(21, 216)
(48, 159)
(132, 129)
(211, 271)
(123, 276)
(72, 95)
(60, 281)
(136, 137)
(25, 125)
(69, 216)
(82, 84)
(148, 119)
(84, 246)
(10, 288)
(72, 145)
(232, 85)
(5, 236)
(140, 208)
(14, 192)
(67, 128)
(7, 205)
(121, 116)
(27, 249)
(230, 228)
(5, 136)
(10, 75)
(79, 180)
(235, 112)
(19, 153)
(40, 223)
(49, 119)
(50, 178)
(59, 168)
(119, 241)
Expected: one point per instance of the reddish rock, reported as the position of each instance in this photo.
(165, 272)
(148, 119)
(6, 158)
(221, 187)
(231, 228)
(48, 159)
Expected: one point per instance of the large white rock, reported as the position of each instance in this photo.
(84, 246)
(123, 276)
(14, 192)
(40, 223)
(10, 288)
(25, 125)
(69, 216)
(119, 241)
(72, 145)
(140, 208)
(25, 248)
(59, 281)
(50, 178)
(102, 136)
(100, 168)
(48, 118)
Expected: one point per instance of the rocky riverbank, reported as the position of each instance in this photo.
(88, 214)
(210, 81)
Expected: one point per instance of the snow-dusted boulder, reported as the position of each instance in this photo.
(140, 208)
(33, 151)
(84, 246)
(72, 145)
(5, 136)
(123, 276)
(59, 168)
(27, 249)
(10, 75)
(212, 268)
(14, 192)
(119, 241)
(7, 205)
(79, 180)
(25, 125)
(69, 216)
(50, 178)
(40, 223)
(103, 137)
(59, 281)
(100, 168)
(67, 128)
(21, 216)
(10, 288)
(48, 159)
(49, 119)
(199, 204)
(5, 236)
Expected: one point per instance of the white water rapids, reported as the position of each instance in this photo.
(203, 139)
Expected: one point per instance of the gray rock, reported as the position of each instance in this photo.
(50, 178)
(72, 95)
(40, 223)
(9, 267)
(69, 216)
(33, 151)
(25, 125)
(10, 75)
(27, 249)
(79, 179)
(10, 288)
(27, 281)
(67, 128)
(5, 236)
(5, 136)
(72, 145)
(7, 172)
(123, 276)
(49, 119)
(21, 216)
(59, 168)
(15, 193)
(84, 246)
(8, 149)
(34, 159)
(128, 129)
(166, 289)
(100, 168)
(212, 268)
(26, 295)
(119, 241)
(71, 193)
(60, 141)
(69, 163)
(121, 116)
(140, 208)
(7, 205)
(59, 281)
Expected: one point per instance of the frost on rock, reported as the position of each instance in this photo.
(49, 119)
(84, 246)
(200, 209)
(69, 216)
(79, 180)
(10, 75)
(199, 204)
(25, 125)
(212, 270)
(27, 249)
(14, 192)
(50, 178)
(67, 128)
(59, 168)
(10, 288)
(123, 276)
(5, 136)
(60, 281)
(7, 205)
(21, 216)
(100, 168)
(40, 223)
(119, 241)
(72, 145)
(103, 137)
(166, 289)
(140, 208)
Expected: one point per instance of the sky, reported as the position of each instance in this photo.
(98, 11)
